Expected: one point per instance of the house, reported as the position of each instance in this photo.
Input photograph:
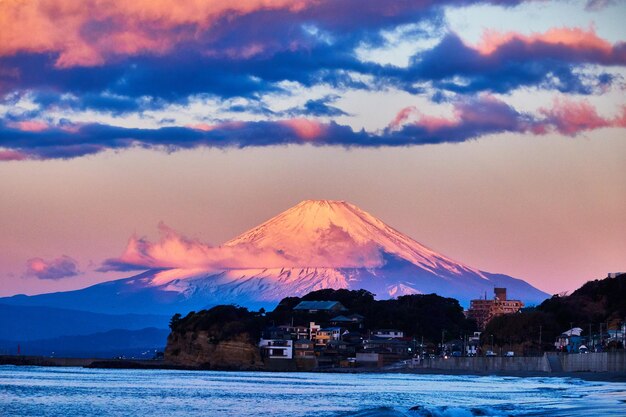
(313, 329)
(570, 340)
(388, 333)
(354, 338)
(304, 348)
(386, 345)
(472, 346)
(329, 333)
(352, 319)
(276, 348)
(324, 336)
(294, 332)
(341, 348)
(276, 332)
(483, 310)
(317, 306)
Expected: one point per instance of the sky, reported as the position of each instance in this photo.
(492, 131)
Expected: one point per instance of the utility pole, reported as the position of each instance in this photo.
(442, 334)
(624, 334)
(601, 335)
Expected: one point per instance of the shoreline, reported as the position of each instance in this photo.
(100, 363)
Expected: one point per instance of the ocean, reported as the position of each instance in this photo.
(41, 391)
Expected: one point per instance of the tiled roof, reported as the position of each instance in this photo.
(341, 319)
(319, 305)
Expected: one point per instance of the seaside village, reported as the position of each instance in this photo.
(344, 342)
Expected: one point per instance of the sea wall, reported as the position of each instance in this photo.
(594, 362)
(43, 361)
(490, 364)
(549, 362)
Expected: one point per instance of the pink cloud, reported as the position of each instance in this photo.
(205, 127)
(54, 269)
(487, 113)
(12, 156)
(402, 117)
(482, 110)
(570, 117)
(575, 38)
(333, 248)
(620, 120)
(411, 115)
(63, 26)
(304, 128)
(29, 125)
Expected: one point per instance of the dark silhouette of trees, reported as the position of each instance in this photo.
(416, 315)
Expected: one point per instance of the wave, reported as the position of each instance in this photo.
(428, 411)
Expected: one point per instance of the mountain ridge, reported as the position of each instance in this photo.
(313, 245)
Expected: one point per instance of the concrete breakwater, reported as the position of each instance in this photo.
(549, 362)
(43, 361)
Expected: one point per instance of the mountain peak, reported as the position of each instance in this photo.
(315, 226)
(321, 202)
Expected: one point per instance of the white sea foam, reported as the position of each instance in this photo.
(37, 391)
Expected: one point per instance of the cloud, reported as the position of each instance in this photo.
(318, 108)
(12, 156)
(570, 117)
(88, 33)
(574, 38)
(54, 269)
(333, 248)
(122, 63)
(504, 62)
(112, 55)
(472, 118)
(595, 5)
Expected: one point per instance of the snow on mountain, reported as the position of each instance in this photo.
(314, 245)
(299, 229)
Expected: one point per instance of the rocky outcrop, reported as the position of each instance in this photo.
(197, 349)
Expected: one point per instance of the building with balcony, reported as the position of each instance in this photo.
(276, 348)
(483, 310)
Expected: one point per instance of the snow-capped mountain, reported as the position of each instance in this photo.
(314, 245)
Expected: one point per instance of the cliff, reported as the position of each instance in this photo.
(224, 337)
(196, 349)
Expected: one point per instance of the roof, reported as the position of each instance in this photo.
(341, 319)
(383, 341)
(319, 305)
(576, 331)
(352, 318)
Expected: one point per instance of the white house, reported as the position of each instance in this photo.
(276, 348)
(388, 333)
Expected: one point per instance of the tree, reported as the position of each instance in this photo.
(174, 321)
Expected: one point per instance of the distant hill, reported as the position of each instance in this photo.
(598, 301)
(25, 323)
(595, 303)
(114, 343)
